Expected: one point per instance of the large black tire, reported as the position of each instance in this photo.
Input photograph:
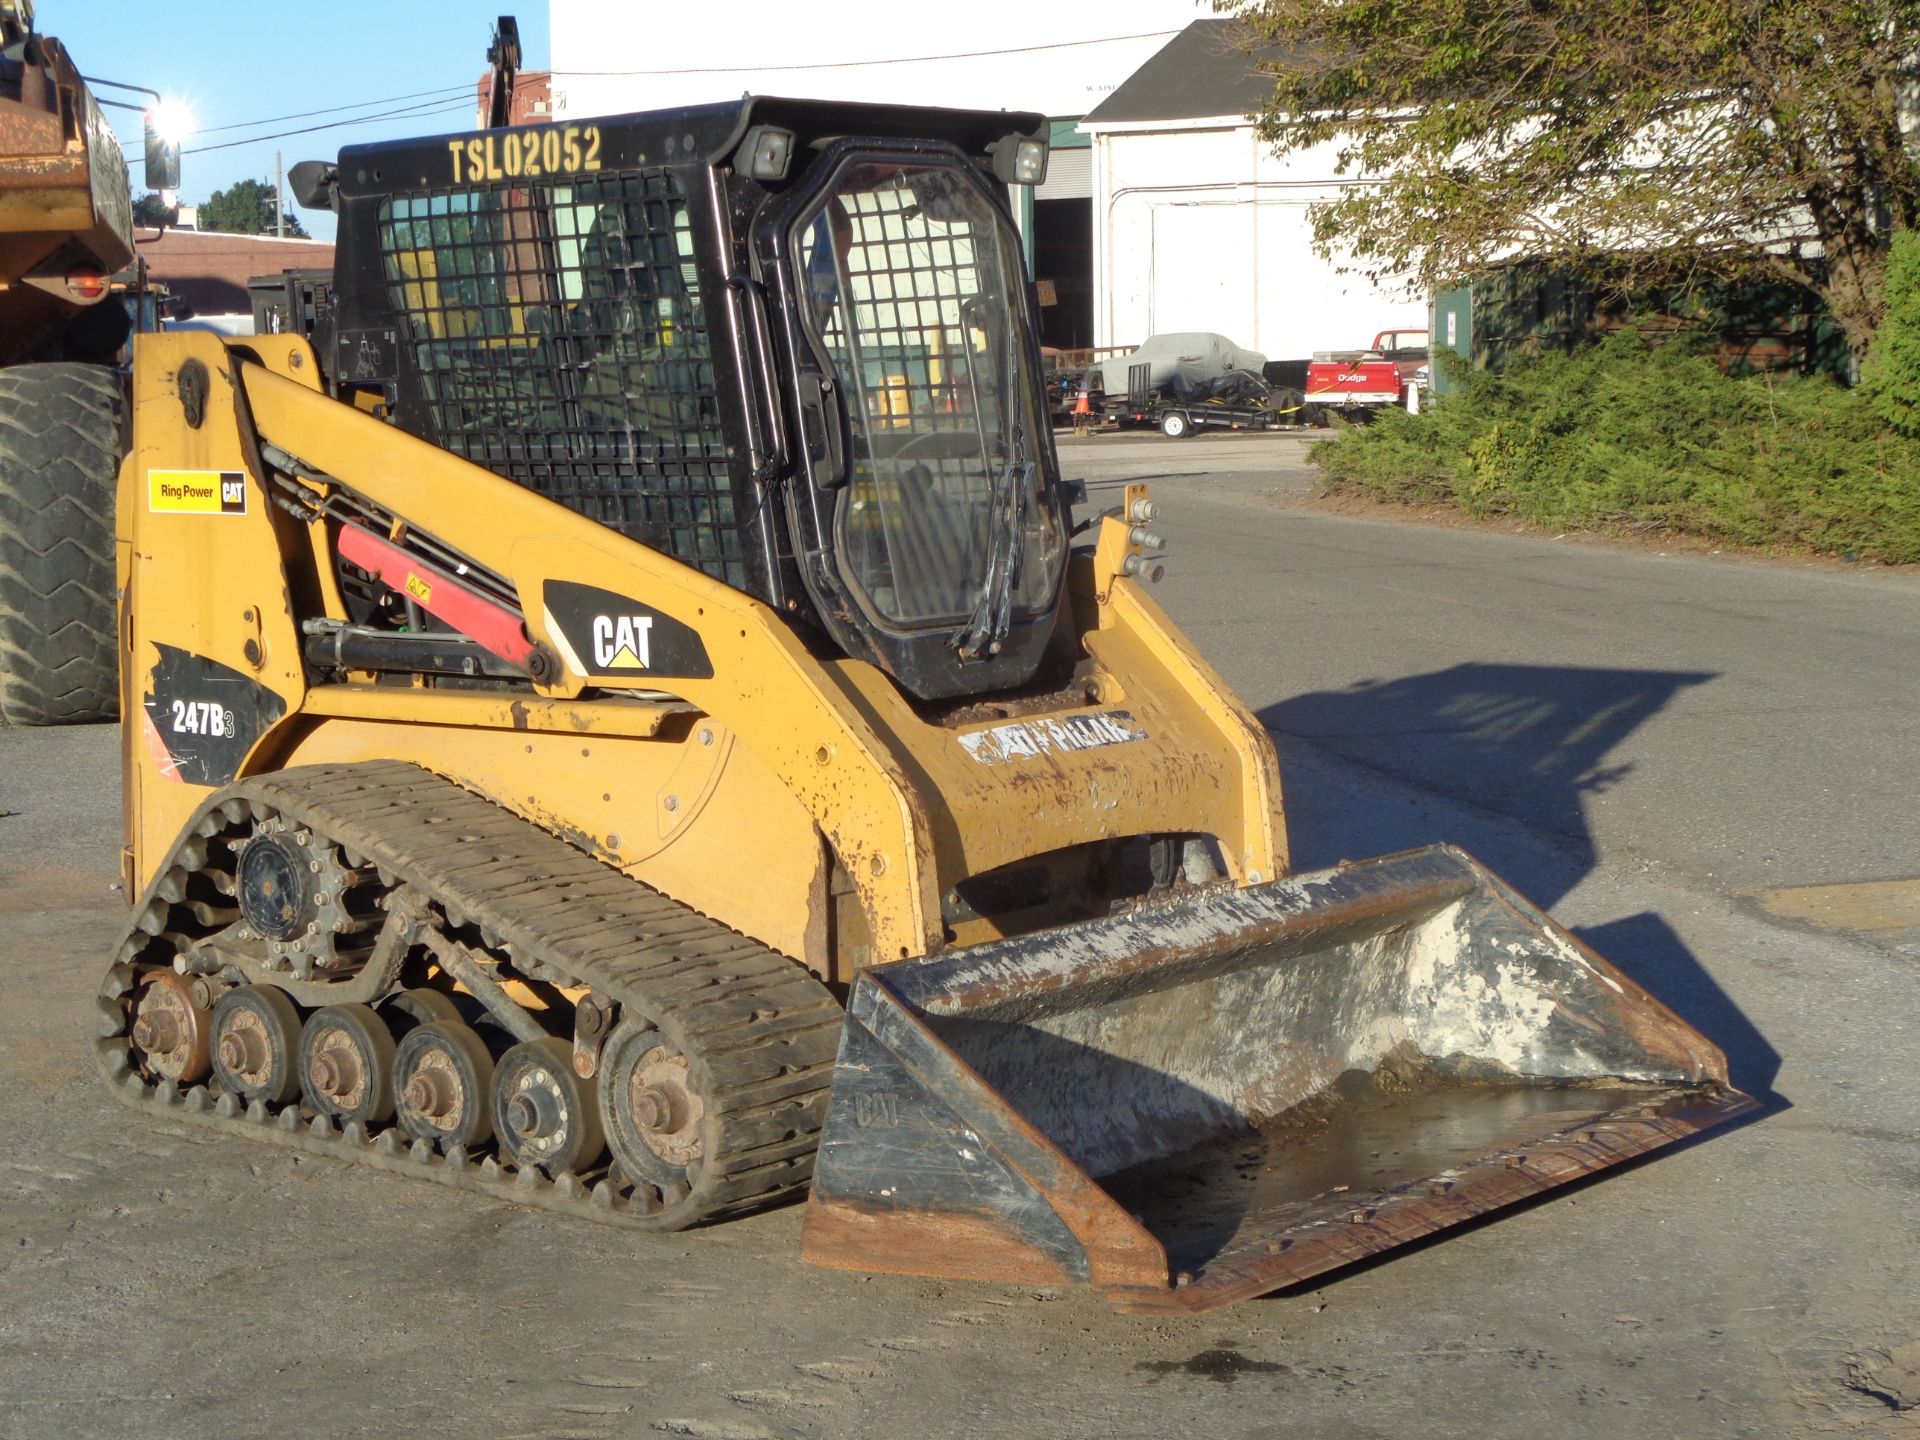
(63, 429)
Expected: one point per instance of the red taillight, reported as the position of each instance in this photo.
(85, 284)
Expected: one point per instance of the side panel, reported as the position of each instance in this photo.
(683, 805)
(211, 656)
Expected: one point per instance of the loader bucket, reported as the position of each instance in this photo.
(1202, 1100)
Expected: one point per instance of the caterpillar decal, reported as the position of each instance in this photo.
(604, 634)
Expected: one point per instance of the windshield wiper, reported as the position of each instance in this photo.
(993, 615)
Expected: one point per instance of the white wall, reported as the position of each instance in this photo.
(709, 52)
(1204, 229)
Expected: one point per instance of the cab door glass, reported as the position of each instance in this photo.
(912, 287)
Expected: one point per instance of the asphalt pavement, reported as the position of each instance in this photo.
(1704, 764)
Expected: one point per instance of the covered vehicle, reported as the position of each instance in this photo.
(1187, 358)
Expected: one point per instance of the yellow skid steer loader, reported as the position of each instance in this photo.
(648, 615)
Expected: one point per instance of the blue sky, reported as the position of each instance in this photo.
(232, 62)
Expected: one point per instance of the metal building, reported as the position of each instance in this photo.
(1198, 226)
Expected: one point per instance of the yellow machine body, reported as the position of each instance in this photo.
(737, 794)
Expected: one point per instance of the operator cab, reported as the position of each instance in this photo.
(788, 343)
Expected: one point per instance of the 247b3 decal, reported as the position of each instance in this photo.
(194, 737)
(203, 717)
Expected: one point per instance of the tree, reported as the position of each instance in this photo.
(245, 209)
(1653, 140)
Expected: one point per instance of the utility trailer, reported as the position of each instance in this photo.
(1247, 406)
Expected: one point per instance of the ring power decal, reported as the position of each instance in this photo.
(604, 634)
(197, 492)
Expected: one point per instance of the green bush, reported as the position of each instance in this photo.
(1891, 375)
(1624, 435)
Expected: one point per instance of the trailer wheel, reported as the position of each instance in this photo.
(62, 433)
(1174, 425)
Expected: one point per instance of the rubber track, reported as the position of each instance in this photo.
(62, 432)
(767, 1029)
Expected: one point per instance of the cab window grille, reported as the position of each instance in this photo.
(560, 337)
(911, 279)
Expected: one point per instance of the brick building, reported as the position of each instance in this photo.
(209, 270)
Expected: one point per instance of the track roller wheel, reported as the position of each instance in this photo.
(256, 1044)
(544, 1114)
(653, 1107)
(443, 1084)
(171, 1027)
(411, 1008)
(346, 1064)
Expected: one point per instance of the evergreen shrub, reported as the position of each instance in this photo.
(1627, 435)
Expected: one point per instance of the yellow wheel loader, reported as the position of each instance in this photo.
(623, 720)
(66, 228)
(66, 225)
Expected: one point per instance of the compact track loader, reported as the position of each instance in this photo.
(648, 616)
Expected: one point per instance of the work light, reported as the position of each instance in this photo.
(1020, 160)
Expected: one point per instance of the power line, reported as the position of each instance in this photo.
(333, 110)
(857, 64)
(428, 107)
(417, 112)
(427, 97)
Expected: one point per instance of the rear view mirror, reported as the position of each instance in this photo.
(312, 184)
(163, 159)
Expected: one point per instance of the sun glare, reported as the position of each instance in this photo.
(172, 121)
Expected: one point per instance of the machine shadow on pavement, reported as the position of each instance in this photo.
(1527, 743)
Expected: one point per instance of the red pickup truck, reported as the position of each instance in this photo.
(1378, 375)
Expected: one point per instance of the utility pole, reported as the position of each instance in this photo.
(279, 198)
